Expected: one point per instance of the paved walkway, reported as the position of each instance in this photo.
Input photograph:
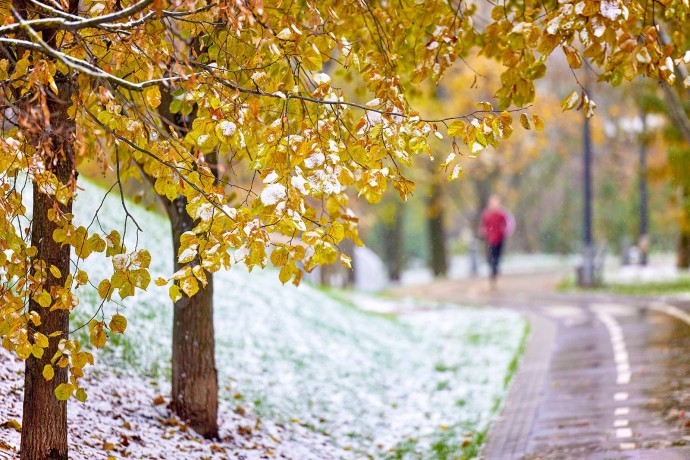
(603, 376)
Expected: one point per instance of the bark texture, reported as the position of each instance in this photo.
(44, 424)
(194, 374)
(44, 419)
(393, 241)
(436, 226)
(683, 249)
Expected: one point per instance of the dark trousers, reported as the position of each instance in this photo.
(494, 253)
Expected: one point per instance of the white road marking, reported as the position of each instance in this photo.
(613, 309)
(605, 313)
(562, 311)
(621, 411)
(620, 351)
(671, 310)
(620, 423)
(623, 378)
(624, 433)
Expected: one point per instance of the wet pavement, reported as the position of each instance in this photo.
(603, 376)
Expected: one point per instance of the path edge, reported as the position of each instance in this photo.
(509, 433)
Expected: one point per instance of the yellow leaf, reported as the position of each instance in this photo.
(118, 323)
(174, 293)
(311, 57)
(573, 58)
(35, 318)
(160, 281)
(96, 243)
(82, 277)
(279, 256)
(40, 340)
(153, 96)
(48, 372)
(142, 258)
(570, 101)
(97, 336)
(31, 251)
(189, 285)
(37, 351)
(24, 349)
(13, 424)
(538, 123)
(346, 261)
(43, 299)
(64, 391)
(457, 129)
(56, 272)
(484, 106)
(336, 232)
(104, 289)
(80, 359)
(285, 273)
(524, 121)
(140, 278)
(81, 395)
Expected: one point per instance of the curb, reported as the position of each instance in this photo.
(509, 434)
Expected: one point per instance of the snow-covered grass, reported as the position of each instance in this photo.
(312, 375)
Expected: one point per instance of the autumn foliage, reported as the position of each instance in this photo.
(306, 98)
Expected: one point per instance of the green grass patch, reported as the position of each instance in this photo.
(680, 285)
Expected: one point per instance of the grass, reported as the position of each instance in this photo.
(680, 285)
(513, 366)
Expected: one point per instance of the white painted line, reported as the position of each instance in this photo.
(620, 423)
(620, 396)
(613, 309)
(623, 378)
(671, 310)
(627, 445)
(620, 352)
(624, 433)
(621, 411)
(562, 311)
(618, 346)
(621, 358)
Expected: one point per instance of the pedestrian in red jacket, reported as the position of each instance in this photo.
(494, 229)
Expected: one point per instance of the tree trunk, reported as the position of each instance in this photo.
(393, 241)
(44, 418)
(44, 424)
(435, 223)
(683, 249)
(194, 374)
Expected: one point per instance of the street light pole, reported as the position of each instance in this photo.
(644, 212)
(587, 273)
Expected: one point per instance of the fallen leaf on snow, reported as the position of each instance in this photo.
(13, 424)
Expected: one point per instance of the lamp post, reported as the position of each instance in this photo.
(586, 277)
(644, 211)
